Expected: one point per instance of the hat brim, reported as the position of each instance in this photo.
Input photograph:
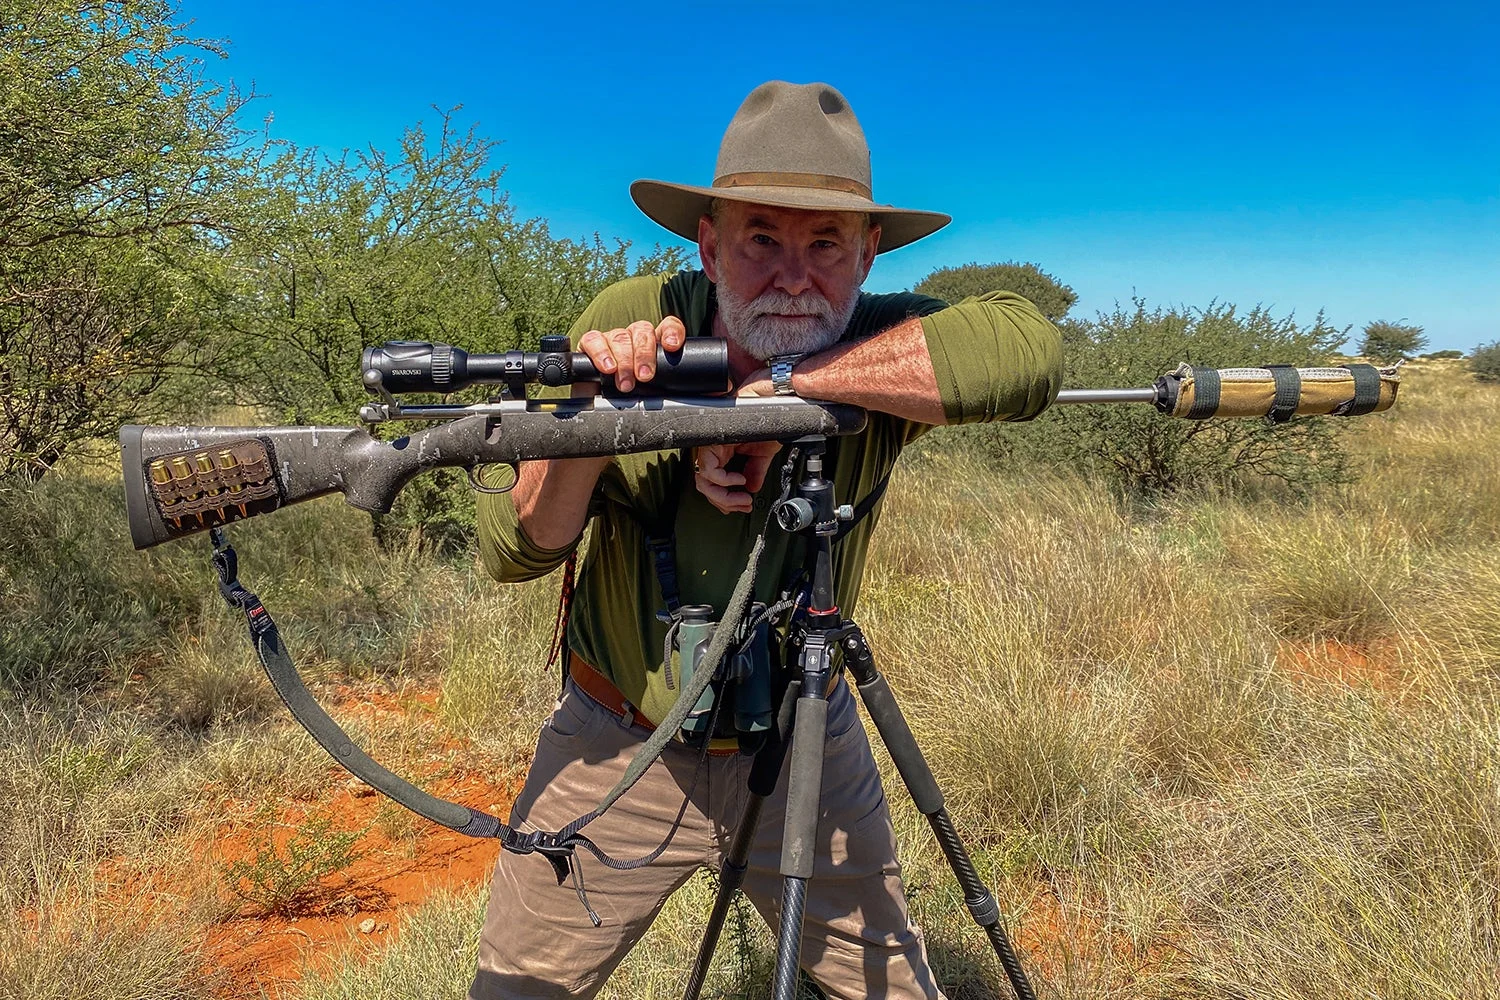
(678, 207)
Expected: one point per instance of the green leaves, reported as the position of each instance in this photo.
(1484, 361)
(156, 261)
(114, 150)
(344, 253)
(1138, 450)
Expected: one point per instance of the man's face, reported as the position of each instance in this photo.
(787, 278)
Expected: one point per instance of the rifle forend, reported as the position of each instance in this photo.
(182, 480)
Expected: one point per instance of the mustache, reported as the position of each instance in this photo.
(778, 303)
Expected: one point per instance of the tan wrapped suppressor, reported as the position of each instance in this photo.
(1277, 392)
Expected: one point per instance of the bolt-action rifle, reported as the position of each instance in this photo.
(183, 480)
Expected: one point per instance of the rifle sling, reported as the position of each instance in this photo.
(560, 847)
(557, 848)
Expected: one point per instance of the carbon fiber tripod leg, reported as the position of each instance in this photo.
(763, 776)
(880, 703)
(799, 842)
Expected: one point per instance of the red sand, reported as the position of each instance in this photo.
(1329, 661)
(257, 955)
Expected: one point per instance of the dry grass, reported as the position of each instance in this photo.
(1214, 748)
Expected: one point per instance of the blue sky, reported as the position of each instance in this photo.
(1302, 156)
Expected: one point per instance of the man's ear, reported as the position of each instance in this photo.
(872, 240)
(708, 248)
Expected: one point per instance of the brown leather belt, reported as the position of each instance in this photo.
(600, 688)
(592, 682)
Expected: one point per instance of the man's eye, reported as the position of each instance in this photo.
(825, 244)
(763, 240)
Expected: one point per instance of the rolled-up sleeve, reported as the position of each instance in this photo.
(506, 552)
(996, 358)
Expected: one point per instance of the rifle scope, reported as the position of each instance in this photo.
(700, 368)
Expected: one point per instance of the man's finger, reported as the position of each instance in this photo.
(643, 341)
(711, 465)
(722, 477)
(755, 472)
(711, 457)
(672, 334)
(727, 501)
(622, 346)
(721, 486)
(596, 346)
(758, 456)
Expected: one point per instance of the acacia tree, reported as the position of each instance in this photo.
(1390, 342)
(1484, 361)
(350, 252)
(953, 284)
(115, 152)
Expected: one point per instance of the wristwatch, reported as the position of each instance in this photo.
(781, 373)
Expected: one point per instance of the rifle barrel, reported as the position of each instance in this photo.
(1107, 396)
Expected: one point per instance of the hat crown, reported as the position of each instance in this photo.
(795, 129)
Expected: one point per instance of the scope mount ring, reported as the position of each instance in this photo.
(478, 487)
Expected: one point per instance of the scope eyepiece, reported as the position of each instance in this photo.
(700, 368)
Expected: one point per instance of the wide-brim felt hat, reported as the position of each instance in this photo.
(792, 146)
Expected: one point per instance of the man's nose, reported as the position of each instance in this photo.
(793, 276)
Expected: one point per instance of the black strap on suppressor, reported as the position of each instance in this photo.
(1206, 388)
(1288, 392)
(1366, 391)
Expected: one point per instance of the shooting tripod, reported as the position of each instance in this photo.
(812, 511)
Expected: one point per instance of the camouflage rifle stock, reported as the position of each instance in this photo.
(183, 480)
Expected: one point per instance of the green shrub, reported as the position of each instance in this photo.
(434, 510)
(953, 284)
(1484, 361)
(281, 879)
(116, 157)
(1442, 355)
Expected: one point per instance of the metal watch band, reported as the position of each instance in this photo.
(781, 373)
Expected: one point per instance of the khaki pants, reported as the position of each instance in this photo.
(537, 940)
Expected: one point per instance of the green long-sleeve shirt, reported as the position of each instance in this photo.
(996, 358)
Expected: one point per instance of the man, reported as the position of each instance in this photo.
(787, 234)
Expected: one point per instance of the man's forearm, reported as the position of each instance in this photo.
(552, 498)
(890, 372)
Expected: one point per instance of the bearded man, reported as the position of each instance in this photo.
(787, 235)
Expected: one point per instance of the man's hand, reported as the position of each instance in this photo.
(727, 479)
(629, 353)
(720, 468)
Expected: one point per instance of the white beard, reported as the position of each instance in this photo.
(761, 325)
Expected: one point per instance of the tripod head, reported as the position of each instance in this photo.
(811, 505)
